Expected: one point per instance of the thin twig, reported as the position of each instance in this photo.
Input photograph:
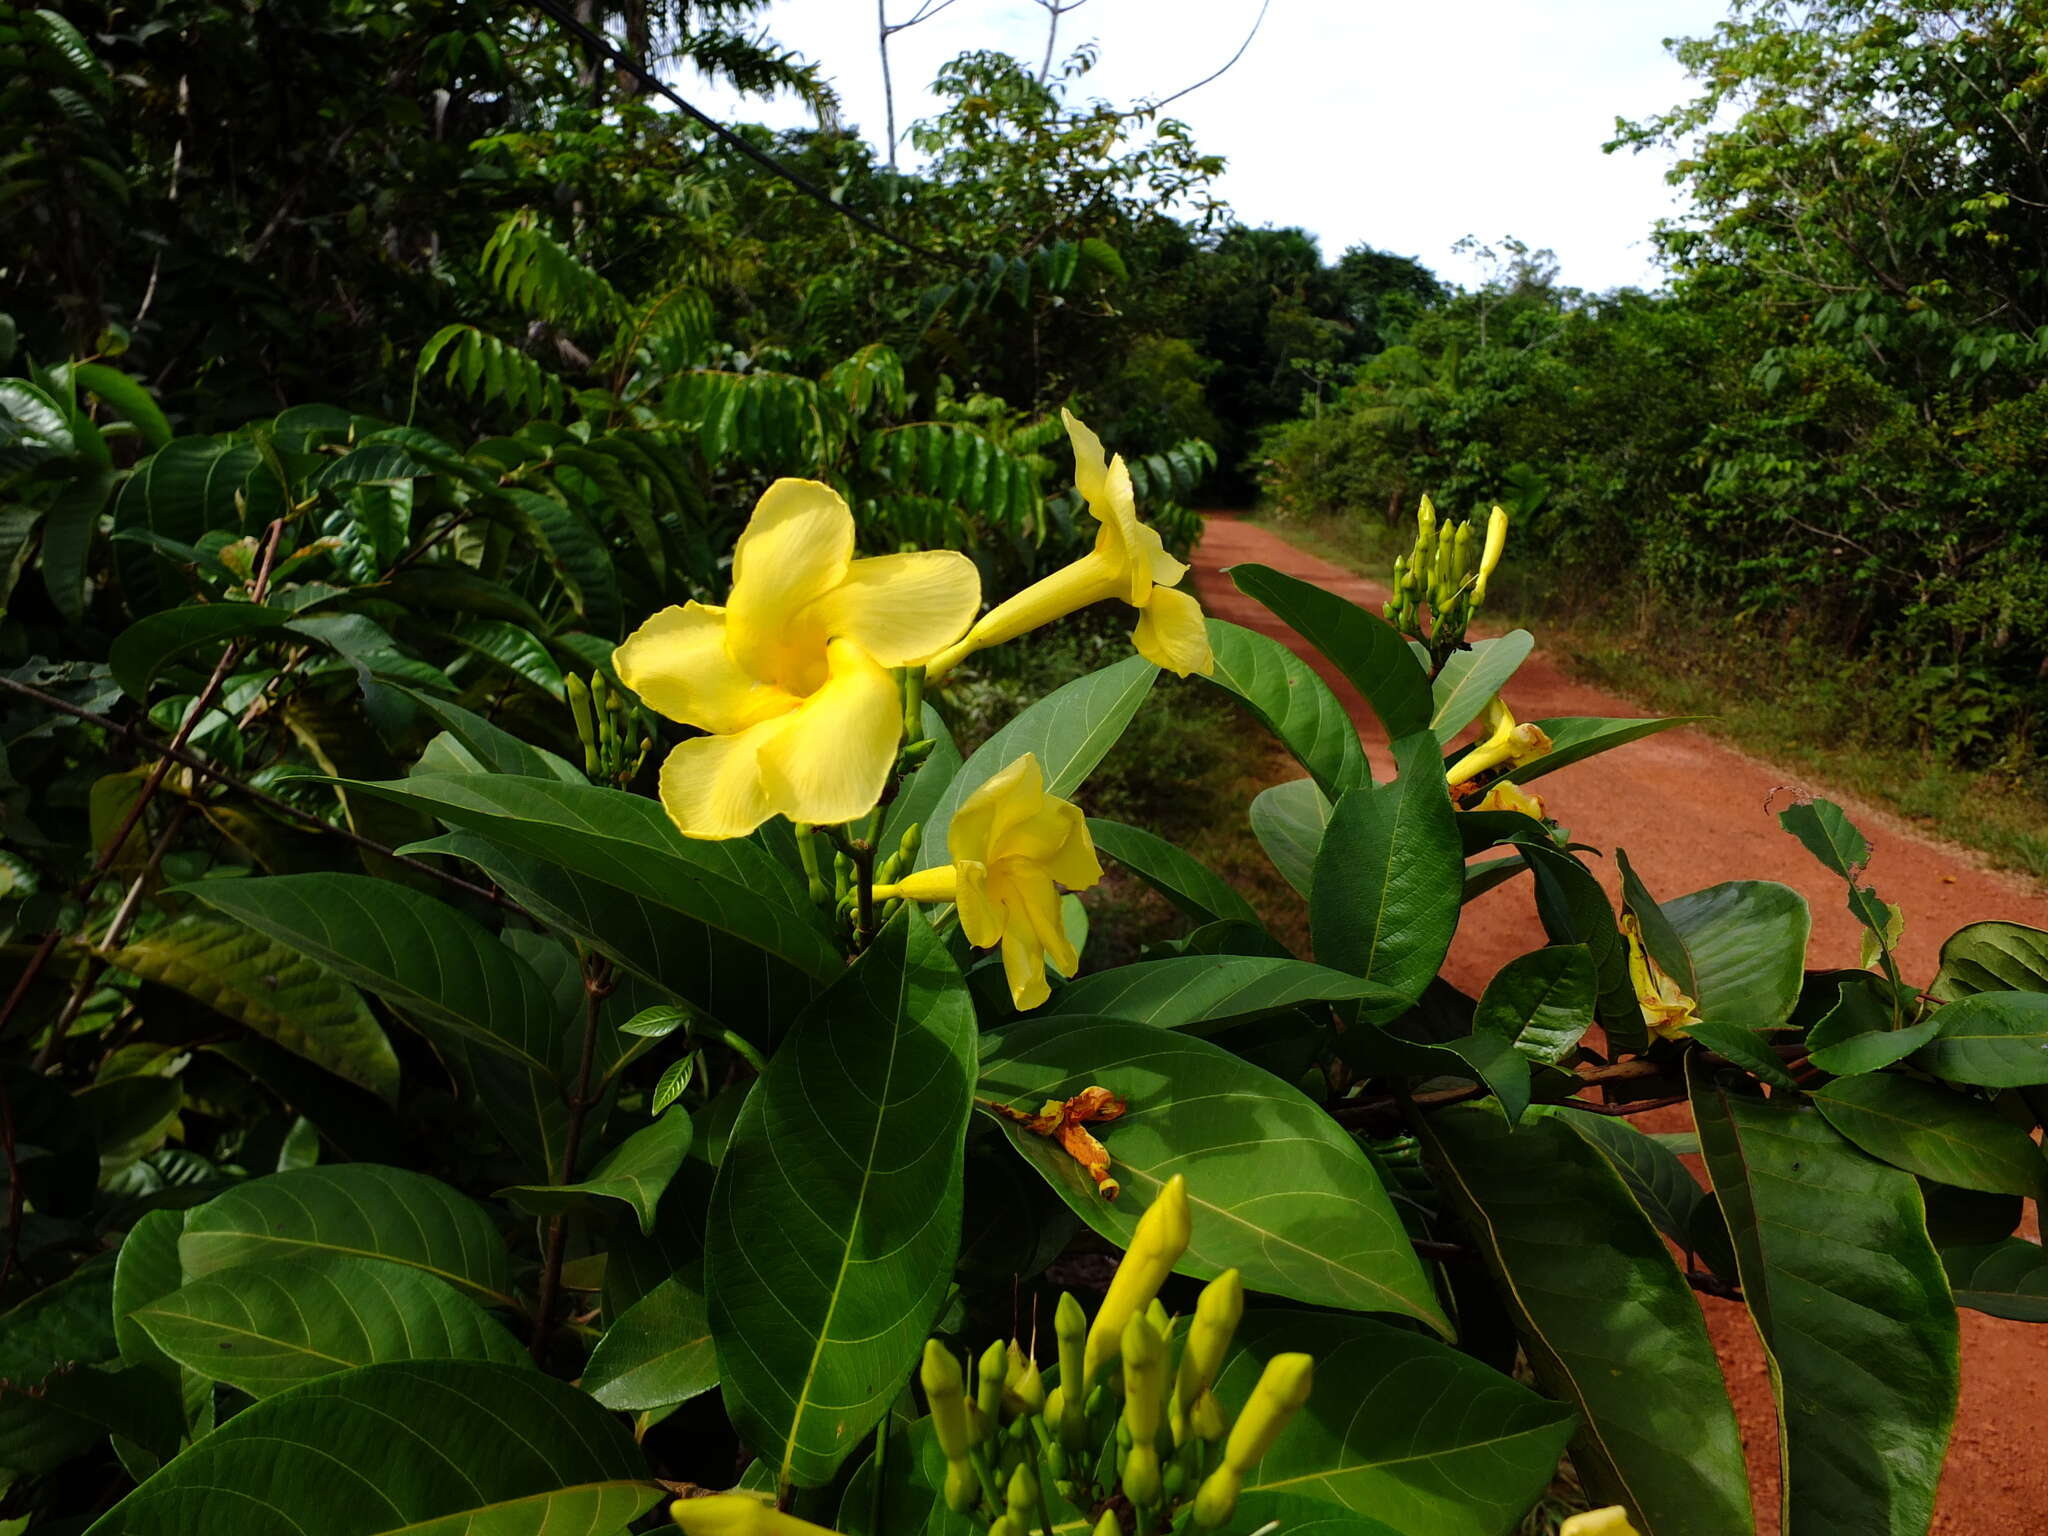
(597, 986)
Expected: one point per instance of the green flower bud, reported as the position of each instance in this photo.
(1156, 1246)
(1217, 1313)
(1107, 1525)
(946, 1392)
(1144, 1357)
(988, 1382)
(586, 727)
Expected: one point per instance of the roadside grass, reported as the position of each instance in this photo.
(1794, 704)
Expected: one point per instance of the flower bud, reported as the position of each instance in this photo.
(1283, 1387)
(946, 1392)
(1611, 1521)
(1489, 558)
(1156, 1246)
(1217, 1313)
(738, 1514)
(1107, 1525)
(1144, 1357)
(988, 1382)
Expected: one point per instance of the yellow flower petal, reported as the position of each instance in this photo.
(993, 807)
(1611, 1521)
(1032, 899)
(902, 609)
(1024, 967)
(1166, 571)
(832, 755)
(1171, 633)
(1091, 463)
(1106, 487)
(711, 786)
(679, 665)
(939, 883)
(1075, 865)
(796, 548)
(980, 919)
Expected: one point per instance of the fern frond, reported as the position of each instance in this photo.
(485, 368)
(536, 273)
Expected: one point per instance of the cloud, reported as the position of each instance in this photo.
(1402, 126)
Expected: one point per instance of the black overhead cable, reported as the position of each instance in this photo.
(598, 43)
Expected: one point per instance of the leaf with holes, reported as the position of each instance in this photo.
(835, 1217)
(1279, 1190)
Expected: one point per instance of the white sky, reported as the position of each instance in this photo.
(1402, 125)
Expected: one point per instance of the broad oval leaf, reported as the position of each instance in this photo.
(1181, 878)
(1293, 703)
(1203, 989)
(1390, 877)
(147, 646)
(1992, 957)
(1608, 1322)
(835, 1217)
(1070, 730)
(657, 1352)
(360, 1209)
(1278, 1190)
(1935, 1132)
(1289, 820)
(1471, 678)
(268, 1326)
(1398, 1426)
(1575, 738)
(1832, 1251)
(270, 988)
(1747, 943)
(2008, 1278)
(1364, 647)
(410, 1446)
(1542, 1001)
(1992, 1039)
(634, 1173)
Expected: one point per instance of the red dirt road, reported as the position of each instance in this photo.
(1690, 812)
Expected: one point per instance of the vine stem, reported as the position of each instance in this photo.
(597, 986)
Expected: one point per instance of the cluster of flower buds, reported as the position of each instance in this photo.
(1128, 1433)
(607, 723)
(1447, 570)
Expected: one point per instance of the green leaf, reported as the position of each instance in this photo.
(1542, 1001)
(1365, 648)
(1747, 943)
(835, 1217)
(2008, 1278)
(1850, 1299)
(1992, 957)
(1609, 1324)
(1935, 1132)
(1279, 1191)
(1746, 1048)
(498, 751)
(1203, 989)
(403, 1447)
(1486, 1058)
(920, 793)
(179, 493)
(1182, 879)
(68, 529)
(657, 1352)
(1287, 697)
(268, 1326)
(1575, 910)
(628, 841)
(1827, 833)
(1575, 738)
(147, 646)
(359, 1209)
(515, 649)
(1390, 877)
(1070, 730)
(419, 954)
(1660, 1183)
(1398, 1426)
(1471, 678)
(635, 1172)
(1857, 1034)
(270, 989)
(1289, 820)
(1991, 1039)
(128, 396)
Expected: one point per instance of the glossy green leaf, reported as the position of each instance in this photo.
(1542, 1002)
(129, 396)
(1992, 1039)
(1471, 678)
(2008, 1278)
(147, 646)
(1364, 647)
(1289, 819)
(1857, 1034)
(1070, 730)
(179, 493)
(417, 953)
(264, 1327)
(1747, 943)
(1182, 879)
(496, 750)
(1935, 1132)
(1609, 1324)
(1660, 1183)
(1278, 1190)
(517, 650)
(1482, 1056)
(269, 988)
(1287, 697)
(634, 1173)
(1575, 738)
(1575, 910)
(835, 1218)
(1389, 878)
(359, 1209)
(1832, 1251)
(1746, 1048)
(406, 1446)
(1826, 832)
(657, 1352)
(1992, 957)
(1203, 989)
(1398, 1426)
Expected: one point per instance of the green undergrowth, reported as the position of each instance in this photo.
(1833, 725)
(1185, 770)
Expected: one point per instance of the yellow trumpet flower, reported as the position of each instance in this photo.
(790, 678)
(1611, 1521)
(1668, 1012)
(1013, 847)
(1509, 743)
(1128, 563)
(739, 1514)
(1504, 795)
